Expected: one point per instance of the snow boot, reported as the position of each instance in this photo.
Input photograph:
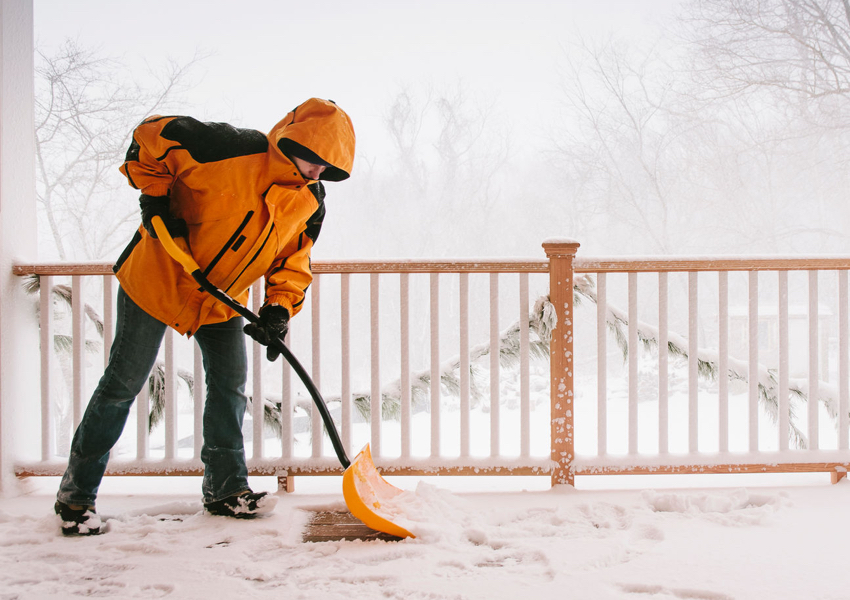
(77, 520)
(246, 505)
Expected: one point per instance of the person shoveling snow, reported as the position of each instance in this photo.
(249, 205)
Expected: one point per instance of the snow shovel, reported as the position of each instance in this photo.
(363, 488)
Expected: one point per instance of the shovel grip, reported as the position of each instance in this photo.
(178, 249)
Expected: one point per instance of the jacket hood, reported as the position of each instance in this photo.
(320, 132)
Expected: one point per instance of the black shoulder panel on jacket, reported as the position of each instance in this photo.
(211, 142)
(314, 223)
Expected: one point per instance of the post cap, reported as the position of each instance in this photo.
(560, 246)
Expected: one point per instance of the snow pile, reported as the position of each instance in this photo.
(430, 513)
(734, 507)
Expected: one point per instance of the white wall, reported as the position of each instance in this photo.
(19, 384)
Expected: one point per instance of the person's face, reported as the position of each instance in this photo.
(309, 170)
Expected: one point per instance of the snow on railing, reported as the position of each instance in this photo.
(433, 363)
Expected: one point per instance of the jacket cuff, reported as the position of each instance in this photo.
(156, 189)
(280, 300)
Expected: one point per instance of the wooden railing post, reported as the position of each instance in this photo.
(561, 253)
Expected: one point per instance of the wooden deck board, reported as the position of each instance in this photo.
(334, 526)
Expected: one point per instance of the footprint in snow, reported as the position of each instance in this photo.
(659, 591)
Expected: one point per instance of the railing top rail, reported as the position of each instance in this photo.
(638, 264)
(655, 264)
(502, 265)
(65, 268)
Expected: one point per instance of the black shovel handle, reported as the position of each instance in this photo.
(185, 258)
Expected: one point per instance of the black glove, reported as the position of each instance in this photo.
(273, 324)
(157, 206)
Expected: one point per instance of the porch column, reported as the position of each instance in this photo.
(19, 358)
(561, 253)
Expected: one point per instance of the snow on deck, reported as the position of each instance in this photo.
(708, 543)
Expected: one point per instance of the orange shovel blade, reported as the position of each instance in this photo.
(365, 491)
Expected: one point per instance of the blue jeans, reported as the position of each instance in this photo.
(138, 337)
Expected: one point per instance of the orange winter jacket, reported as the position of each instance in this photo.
(249, 211)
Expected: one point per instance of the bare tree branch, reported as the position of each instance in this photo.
(86, 108)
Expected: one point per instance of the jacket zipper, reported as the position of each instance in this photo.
(253, 258)
(229, 243)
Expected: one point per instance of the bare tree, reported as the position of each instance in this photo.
(801, 47)
(445, 178)
(472, 150)
(622, 144)
(404, 120)
(86, 108)
(778, 71)
(721, 143)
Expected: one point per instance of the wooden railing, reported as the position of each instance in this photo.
(761, 448)
(309, 339)
(605, 430)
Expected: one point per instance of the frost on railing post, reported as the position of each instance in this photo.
(561, 253)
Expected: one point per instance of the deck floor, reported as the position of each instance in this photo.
(333, 526)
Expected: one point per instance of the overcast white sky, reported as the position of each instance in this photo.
(269, 55)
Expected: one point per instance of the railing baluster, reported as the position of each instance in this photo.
(602, 363)
(47, 343)
(435, 364)
(143, 422)
(345, 358)
(843, 362)
(286, 410)
(108, 317)
(633, 364)
(814, 442)
(108, 321)
(78, 327)
(784, 423)
(404, 314)
(495, 412)
(317, 432)
(723, 360)
(524, 383)
(198, 400)
(753, 375)
(258, 355)
(376, 403)
(663, 366)
(464, 365)
(693, 362)
(170, 397)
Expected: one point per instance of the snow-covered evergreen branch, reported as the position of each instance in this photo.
(541, 322)
(708, 367)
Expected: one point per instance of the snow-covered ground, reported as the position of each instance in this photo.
(742, 541)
